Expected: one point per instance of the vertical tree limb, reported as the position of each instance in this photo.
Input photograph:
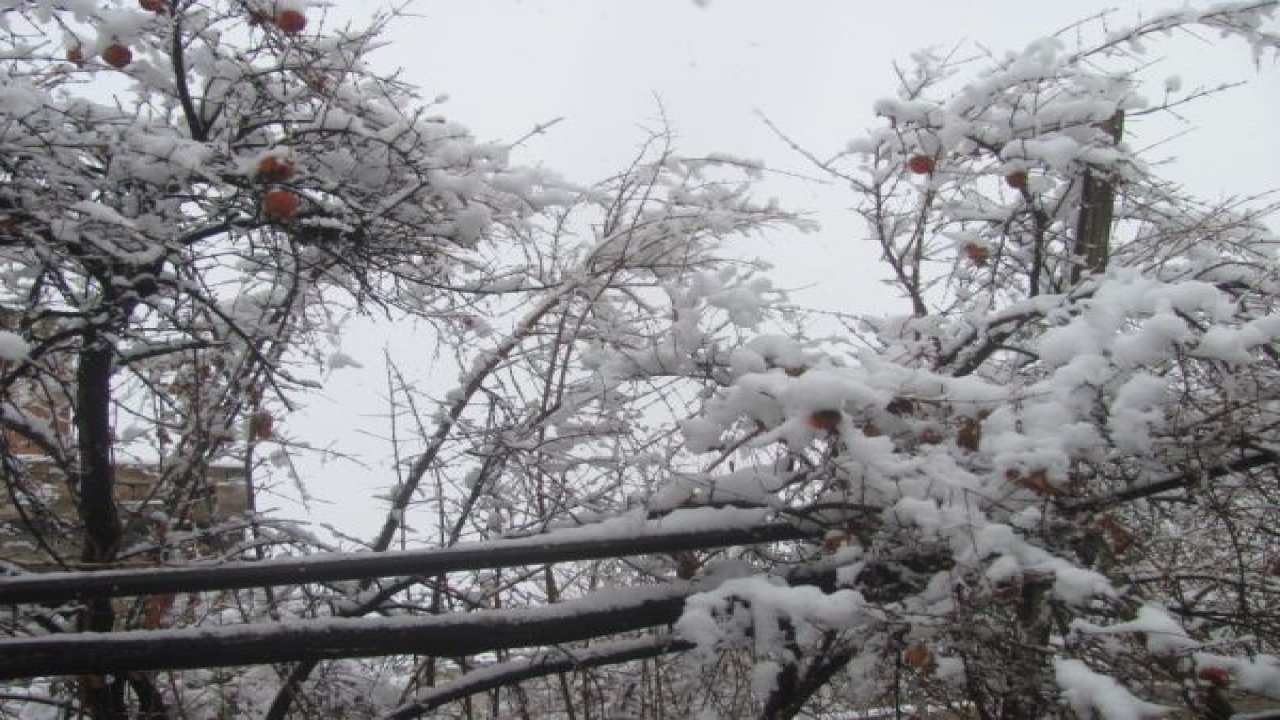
(1097, 211)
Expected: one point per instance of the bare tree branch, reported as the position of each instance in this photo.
(546, 663)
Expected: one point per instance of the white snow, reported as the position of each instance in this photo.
(13, 348)
(1163, 634)
(1091, 694)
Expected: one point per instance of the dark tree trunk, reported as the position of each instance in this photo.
(95, 484)
(1097, 211)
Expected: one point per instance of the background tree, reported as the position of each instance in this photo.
(179, 259)
(1049, 435)
(176, 259)
(1019, 489)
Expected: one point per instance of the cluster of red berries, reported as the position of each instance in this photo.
(119, 56)
(278, 204)
(925, 165)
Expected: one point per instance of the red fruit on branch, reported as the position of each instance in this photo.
(969, 434)
(1216, 676)
(117, 56)
(291, 22)
(920, 657)
(155, 6)
(274, 169)
(834, 540)
(280, 204)
(75, 54)
(977, 254)
(826, 420)
(1016, 180)
(920, 164)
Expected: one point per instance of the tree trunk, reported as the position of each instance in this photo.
(1097, 211)
(95, 483)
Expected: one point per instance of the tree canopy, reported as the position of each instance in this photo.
(1044, 488)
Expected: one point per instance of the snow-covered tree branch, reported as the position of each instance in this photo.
(1045, 488)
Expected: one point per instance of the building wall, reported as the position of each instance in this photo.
(222, 496)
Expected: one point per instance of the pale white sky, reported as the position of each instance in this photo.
(812, 66)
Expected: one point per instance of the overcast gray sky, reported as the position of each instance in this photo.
(814, 67)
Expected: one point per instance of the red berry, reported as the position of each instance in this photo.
(977, 254)
(117, 56)
(291, 22)
(1016, 180)
(920, 164)
(75, 54)
(155, 6)
(1215, 676)
(969, 434)
(280, 204)
(274, 169)
(827, 420)
(834, 540)
(920, 657)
